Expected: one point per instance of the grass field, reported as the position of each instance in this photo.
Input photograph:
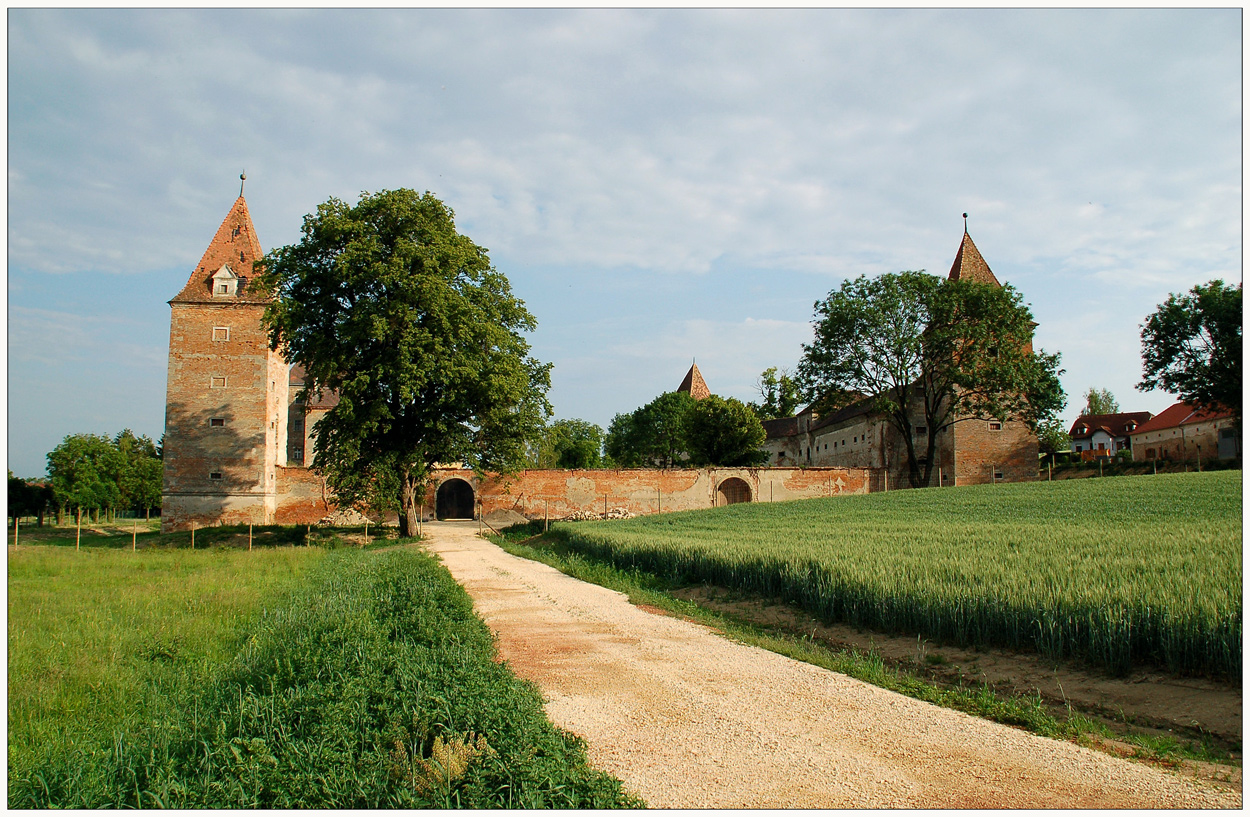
(280, 678)
(1113, 572)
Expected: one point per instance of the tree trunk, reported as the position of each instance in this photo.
(407, 507)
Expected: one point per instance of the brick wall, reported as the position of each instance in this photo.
(981, 451)
(647, 491)
(303, 499)
(222, 423)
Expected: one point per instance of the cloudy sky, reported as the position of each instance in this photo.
(659, 186)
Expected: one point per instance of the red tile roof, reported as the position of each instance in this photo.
(1179, 415)
(1116, 425)
(694, 385)
(970, 266)
(234, 245)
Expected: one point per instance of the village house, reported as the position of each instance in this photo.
(1183, 432)
(968, 451)
(1104, 435)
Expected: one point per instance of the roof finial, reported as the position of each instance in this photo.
(242, 180)
(965, 222)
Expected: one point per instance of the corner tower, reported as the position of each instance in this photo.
(981, 450)
(226, 398)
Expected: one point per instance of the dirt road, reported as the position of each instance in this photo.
(691, 720)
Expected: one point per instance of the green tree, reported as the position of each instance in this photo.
(576, 444)
(654, 434)
(724, 431)
(568, 444)
(931, 352)
(406, 319)
(1191, 347)
(1100, 401)
(1052, 437)
(779, 394)
(140, 472)
(84, 471)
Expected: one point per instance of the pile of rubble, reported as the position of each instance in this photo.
(343, 518)
(613, 513)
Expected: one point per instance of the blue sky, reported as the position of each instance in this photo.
(659, 186)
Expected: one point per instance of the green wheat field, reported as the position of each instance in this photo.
(1118, 572)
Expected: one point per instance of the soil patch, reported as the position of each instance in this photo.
(1150, 701)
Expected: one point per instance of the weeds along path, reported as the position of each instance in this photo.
(688, 719)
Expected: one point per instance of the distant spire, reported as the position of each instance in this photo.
(693, 384)
(243, 180)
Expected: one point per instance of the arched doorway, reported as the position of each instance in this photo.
(454, 500)
(732, 491)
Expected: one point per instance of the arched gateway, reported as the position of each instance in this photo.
(454, 500)
(732, 491)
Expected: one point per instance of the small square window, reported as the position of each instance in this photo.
(217, 383)
(221, 332)
(922, 431)
(998, 475)
(214, 475)
(217, 422)
(222, 289)
(996, 426)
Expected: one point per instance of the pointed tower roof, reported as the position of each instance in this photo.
(694, 384)
(970, 266)
(235, 247)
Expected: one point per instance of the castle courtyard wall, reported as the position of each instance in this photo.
(304, 499)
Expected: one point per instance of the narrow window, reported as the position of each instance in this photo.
(996, 426)
(998, 475)
(214, 475)
(218, 383)
(922, 431)
(221, 333)
(217, 422)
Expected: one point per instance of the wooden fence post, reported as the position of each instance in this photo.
(78, 541)
(546, 514)
(249, 536)
(134, 537)
(16, 524)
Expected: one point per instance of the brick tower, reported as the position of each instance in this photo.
(226, 399)
(986, 450)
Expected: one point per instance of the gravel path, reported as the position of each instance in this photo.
(688, 719)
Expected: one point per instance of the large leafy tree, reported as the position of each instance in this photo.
(1100, 401)
(724, 431)
(406, 319)
(568, 444)
(140, 471)
(779, 394)
(84, 471)
(654, 434)
(929, 351)
(29, 497)
(1191, 347)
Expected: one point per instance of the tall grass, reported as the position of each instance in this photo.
(101, 641)
(376, 686)
(1117, 573)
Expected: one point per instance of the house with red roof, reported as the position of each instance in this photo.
(1103, 435)
(1184, 432)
